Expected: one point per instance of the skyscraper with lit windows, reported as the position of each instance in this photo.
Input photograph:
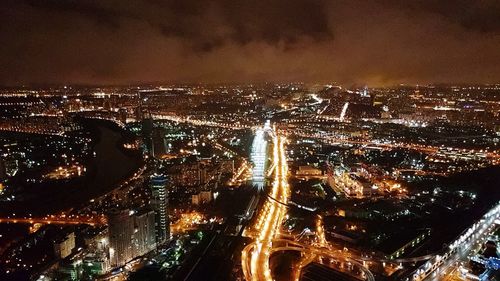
(159, 203)
(131, 234)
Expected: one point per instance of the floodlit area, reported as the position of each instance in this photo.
(258, 158)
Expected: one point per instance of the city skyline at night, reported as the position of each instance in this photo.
(249, 140)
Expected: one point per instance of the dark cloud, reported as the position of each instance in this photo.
(483, 16)
(91, 10)
(375, 42)
(206, 23)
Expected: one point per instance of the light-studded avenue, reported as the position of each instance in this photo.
(255, 257)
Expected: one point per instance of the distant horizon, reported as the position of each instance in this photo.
(167, 84)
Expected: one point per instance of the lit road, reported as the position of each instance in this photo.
(468, 243)
(255, 259)
(339, 259)
(255, 256)
(199, 122)
(98, 220)
(492, 156)
(448, 269)
(320, 232)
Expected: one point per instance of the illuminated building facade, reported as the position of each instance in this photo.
(159, 203)
(131, 234)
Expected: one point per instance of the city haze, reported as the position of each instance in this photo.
(350, 42)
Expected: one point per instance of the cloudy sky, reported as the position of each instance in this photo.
(366, 42)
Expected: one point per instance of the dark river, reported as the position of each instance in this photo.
(105, 171)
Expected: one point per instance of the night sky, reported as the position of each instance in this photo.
(349, 42)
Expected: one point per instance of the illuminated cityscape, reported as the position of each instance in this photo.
(219, 165)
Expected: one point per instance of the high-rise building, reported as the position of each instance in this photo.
(159, 144)
(147, 134)
(159, 203)
(144, 238)
(121, 229)
(138, 114)
(122, 115)
(107, 104)
(131, 234)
